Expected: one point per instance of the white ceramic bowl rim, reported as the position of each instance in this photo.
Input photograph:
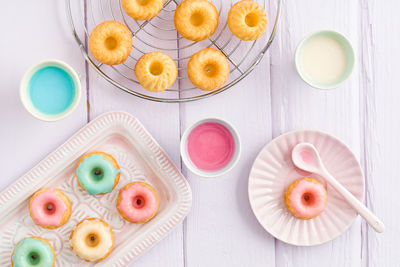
(340, 80)
(24, 90)
(186, 159)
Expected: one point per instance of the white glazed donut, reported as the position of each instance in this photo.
(92, 239)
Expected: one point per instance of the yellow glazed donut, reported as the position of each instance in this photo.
(50, 208)
(208, 69)
(156, 71)
(247, 20)
(92, 239)
(110, 42)
(142, 9)
(196, 20)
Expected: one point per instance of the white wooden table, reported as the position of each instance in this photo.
(221, 229)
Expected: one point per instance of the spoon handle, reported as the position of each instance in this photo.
(371, 218)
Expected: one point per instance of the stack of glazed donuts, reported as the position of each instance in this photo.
(92, 239)
(110, 42)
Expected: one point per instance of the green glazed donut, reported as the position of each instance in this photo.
(98, 173)
(33, 252)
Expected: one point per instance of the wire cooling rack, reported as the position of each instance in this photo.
(159, 34)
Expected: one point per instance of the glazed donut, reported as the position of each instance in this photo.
(92, 239)
(208, 69)
(50, 208)
(110, 42)
(247, 20)
(306, 198)
(137, 202)
(196, 20)
(98, 173)
(142, 9)
(33, 251)
(156, 71)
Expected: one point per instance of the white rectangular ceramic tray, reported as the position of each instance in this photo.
(139, 157)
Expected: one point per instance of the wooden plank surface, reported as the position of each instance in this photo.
(221, 229)
(381, 123)
(161, 120)
(40, 32)
(221, 224)
(296, 105)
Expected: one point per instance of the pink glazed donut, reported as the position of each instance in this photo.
(137, 202)
(306, 198)
(50, 208)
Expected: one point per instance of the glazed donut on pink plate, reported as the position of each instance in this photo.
(137, 202)
(50, 208)
(306, 198)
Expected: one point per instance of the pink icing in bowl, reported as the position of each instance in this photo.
(210, 147)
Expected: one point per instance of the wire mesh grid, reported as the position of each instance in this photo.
(159, 34)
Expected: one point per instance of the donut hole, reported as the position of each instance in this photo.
(138, 202)
(156, 68)
(142, 2)
(49, 208)
(97, 173)
(307, 199)
(251, 19)
(196, 19)
(33, 258)
(210, 69)
(110, 43)
(92, 240)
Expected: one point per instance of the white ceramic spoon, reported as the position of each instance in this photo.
(305, 156)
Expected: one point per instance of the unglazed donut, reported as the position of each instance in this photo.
(98, 173)
(137, 202)
(92, 239)
(306, 198)
(110, 42)
(50, 208)
(33, 251)
(156, 71)
(142, 9)
(247, 20)
(196, 20)
(208, 69)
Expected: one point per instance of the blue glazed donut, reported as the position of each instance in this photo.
(98, 173)
(33, 251)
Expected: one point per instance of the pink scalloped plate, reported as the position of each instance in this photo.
(140, 159)
(273, 171)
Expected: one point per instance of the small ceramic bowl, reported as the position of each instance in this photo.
(24, 90)
(348, 49)
(192, 167)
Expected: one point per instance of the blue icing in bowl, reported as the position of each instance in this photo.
(51, 90)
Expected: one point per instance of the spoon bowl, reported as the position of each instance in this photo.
(305, 157)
